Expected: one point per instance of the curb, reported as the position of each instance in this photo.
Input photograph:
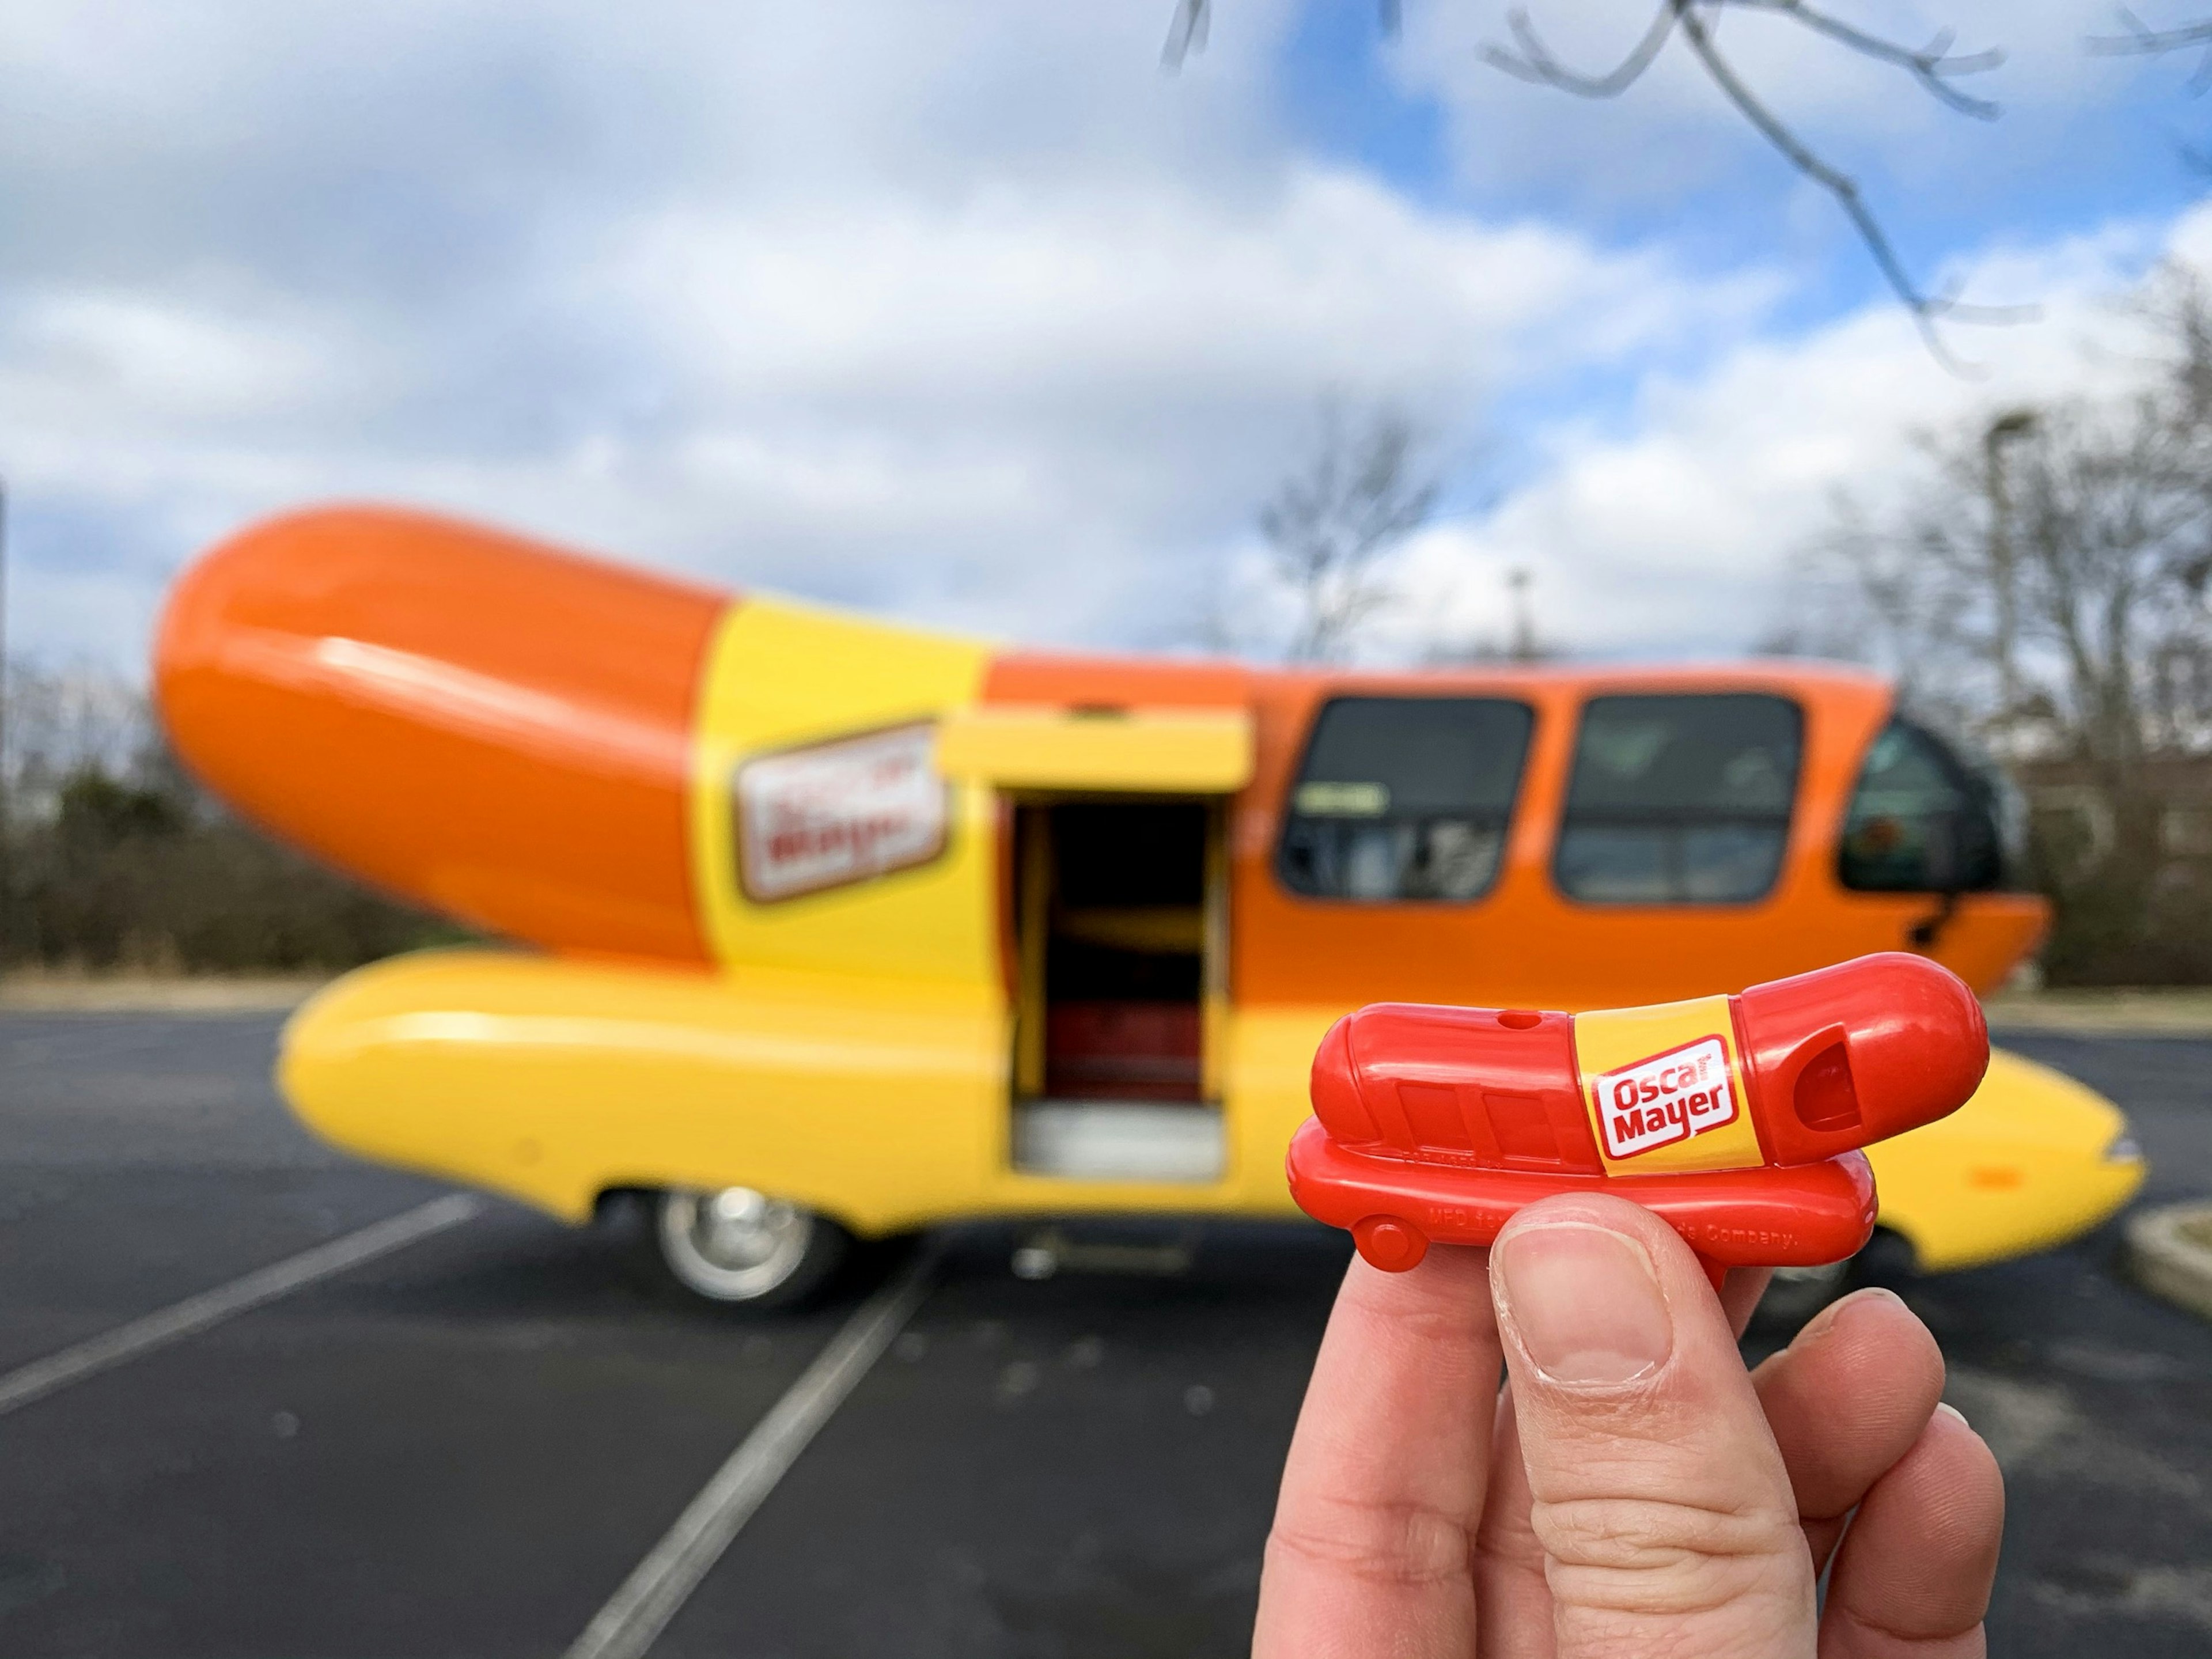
(185, 994)
(2184, 1013)
(2170, 1251)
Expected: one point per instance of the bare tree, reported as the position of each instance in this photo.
(1935, 67)
(1332, 523)
(67, 720)
(1885, 593)
(119, 860)
(2047, 588)
(2050, 592)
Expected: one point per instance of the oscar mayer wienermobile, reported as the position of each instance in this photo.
(819, 926)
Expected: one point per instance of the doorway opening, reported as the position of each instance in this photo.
(1121, 939)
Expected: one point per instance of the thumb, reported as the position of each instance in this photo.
(1662, 1506)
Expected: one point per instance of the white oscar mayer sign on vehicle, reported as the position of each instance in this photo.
(1668, 1097)
(834, 813)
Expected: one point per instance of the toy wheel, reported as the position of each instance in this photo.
(1390, 1243)
(740, 1246)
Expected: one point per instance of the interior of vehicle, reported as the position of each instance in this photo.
(1121, 945)
(1404, 798)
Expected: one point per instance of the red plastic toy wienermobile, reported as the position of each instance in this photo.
(1736, 1119)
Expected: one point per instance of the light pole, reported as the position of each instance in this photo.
(1524, 626)
(2012, 423)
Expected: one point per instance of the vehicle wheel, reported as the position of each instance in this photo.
(737, 1245)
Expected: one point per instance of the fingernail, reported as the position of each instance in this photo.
(1584, 1303)
(1946, 1406)
(1818, 1326)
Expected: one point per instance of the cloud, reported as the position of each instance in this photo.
(1670, 534)
(1142, 364)
(966, 313)
(962, 311)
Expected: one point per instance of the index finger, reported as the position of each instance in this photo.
(1373, 1543)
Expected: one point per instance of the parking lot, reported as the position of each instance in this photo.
(462, 1437)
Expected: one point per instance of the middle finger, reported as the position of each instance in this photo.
(1846, 1400)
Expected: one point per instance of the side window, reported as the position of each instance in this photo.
(1404, 798)
(1678, 799)
(1922, 820)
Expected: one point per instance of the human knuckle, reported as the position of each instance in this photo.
(1441, 1329)
(1429, 1326)
(1400, 1542)
(1625, 1530)
(1656, 1554)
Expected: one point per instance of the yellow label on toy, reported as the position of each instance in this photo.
(1665, 1088)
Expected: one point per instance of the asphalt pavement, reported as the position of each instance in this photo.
(466, 1445)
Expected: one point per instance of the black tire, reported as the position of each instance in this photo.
(742, 1249)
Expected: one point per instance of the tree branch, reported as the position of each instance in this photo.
(1933, 66)
(1186, 32)
(2143, 41)
(1925, 307)
(1534, 62)
(1936, 67)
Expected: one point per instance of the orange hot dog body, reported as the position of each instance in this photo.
(1437, 1123)
(493, 727)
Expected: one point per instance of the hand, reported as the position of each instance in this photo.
(1633, 1491)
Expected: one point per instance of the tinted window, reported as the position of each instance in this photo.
(1678, 799)
(1921, 820)
(1404, 798)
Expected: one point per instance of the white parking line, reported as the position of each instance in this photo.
(664, 1580)
(195, 1313)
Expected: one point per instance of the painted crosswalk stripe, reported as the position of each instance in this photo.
(653, 1593)
(197, 1313)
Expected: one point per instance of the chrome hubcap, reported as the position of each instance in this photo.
(734, 1244)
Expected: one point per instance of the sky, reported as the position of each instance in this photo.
(971, 313)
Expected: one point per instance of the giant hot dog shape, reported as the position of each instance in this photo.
(574, 755)
(497, 729)
(1737, 1119)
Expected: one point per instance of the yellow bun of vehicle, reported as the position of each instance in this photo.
(884, 1104)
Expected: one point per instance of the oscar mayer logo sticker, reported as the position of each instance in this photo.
(1666, 1098)
(834, 813)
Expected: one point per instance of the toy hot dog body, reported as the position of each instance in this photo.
(1737, 1119)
